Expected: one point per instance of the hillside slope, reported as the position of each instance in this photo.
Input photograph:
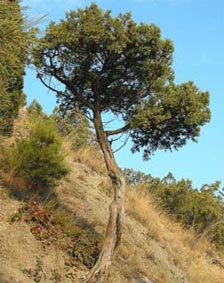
(154, 249)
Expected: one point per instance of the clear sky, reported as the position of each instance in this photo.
(196, 28)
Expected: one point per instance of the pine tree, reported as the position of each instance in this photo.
(114, 65)
(12, 56)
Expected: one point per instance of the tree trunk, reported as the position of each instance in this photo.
(99, 272)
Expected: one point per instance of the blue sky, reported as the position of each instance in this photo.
(196, 28)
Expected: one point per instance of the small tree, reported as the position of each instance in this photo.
(112, 64)
(36, 159)
(35, 110)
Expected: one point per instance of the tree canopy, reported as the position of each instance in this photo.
(113, 64)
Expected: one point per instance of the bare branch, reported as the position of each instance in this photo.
(68, 84)
(118, 131)
(125, 142)
(207, 230)
(108, 122)
(39, 76)
(114, 140)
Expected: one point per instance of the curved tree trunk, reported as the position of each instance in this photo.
(98, 274)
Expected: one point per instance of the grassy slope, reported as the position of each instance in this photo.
(153, 249)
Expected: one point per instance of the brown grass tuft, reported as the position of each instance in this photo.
(184, 250)
(92, 158)
(144, 210)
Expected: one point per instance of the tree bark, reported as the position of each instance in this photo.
(99, 272)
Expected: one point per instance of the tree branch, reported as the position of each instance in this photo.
(125, 142)
(118, 131)
(68, 84)
(113, 140)
(39, 76)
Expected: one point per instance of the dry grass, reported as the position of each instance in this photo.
(168, 253)
(22, 127)
(144, 210)
(153, 245)
(183, 249)
(12, 182)
(8, 179)
(92, 158)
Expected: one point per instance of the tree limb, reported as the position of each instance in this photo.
(39, 76)
(125, 142)
(118, 131)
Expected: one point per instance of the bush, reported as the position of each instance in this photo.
(35, 110)
(13, 42)
(202, 210)
(36, 159)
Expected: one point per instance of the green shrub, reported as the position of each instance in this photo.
(35, 110)
(36, 159)
(200, 209)
(13, 42)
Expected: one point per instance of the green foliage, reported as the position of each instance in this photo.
(201, 209)
(112, 64)
(196, 208)
(169, 118)
(75, 126)
(35, 110)
(36, 159)
(12, 57)
(134, 178)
